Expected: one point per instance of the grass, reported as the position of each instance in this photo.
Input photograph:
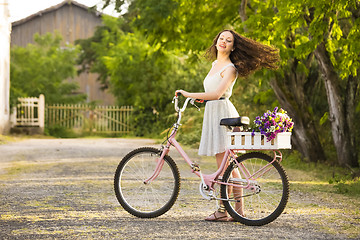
(334, 205)
(4, 139)
(340, 180)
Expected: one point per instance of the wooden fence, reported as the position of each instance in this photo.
(95, 119)
(32, 112)
(29, 112)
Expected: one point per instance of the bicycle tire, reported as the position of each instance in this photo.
(265, 206)
(146, 200)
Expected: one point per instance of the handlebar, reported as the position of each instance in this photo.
(176, 103)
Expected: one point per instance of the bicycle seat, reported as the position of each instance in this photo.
(235, 122)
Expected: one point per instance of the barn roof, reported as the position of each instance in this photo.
(54, 8)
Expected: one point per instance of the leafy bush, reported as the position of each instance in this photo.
(190, 131)
(44, 68)
(60, 132)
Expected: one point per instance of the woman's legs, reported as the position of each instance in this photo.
(239, 206)
(220, 214)
(237, 191)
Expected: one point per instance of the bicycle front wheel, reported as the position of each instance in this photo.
(267, 194)
(146, 200)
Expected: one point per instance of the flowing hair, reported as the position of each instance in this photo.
(248, 55)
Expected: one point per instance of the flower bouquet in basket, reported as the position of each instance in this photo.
(272, 123)
(272, 130)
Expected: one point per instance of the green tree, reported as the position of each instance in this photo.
(296, 83)
(310, 34)
(95, 48)
(328, 31)
(137, 73)
(180, 24)
(44, 68)
(334, 30)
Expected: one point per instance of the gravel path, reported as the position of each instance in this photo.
(63, 189)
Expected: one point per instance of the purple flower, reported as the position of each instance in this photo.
(272, 123)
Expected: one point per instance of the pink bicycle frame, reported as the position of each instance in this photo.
(211, 179)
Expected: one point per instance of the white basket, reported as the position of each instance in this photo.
(245, 140)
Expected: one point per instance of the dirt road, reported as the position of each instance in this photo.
(63, 189)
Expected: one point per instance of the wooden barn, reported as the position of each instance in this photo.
(73, 21)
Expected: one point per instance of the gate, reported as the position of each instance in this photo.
(29, 112)
(89, 118)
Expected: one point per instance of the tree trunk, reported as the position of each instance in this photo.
(346, 152)
(305, 136)
(350, 106)
(242, 13)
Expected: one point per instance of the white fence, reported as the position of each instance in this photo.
(30, 112)
(88, 118)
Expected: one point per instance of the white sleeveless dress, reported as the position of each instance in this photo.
(213, 136)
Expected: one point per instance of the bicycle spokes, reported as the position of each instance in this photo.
(263, 199)
(137, 197)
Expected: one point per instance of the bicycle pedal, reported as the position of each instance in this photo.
(195, 167)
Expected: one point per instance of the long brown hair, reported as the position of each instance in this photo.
(248, 55)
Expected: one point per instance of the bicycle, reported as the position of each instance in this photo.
(147, 180)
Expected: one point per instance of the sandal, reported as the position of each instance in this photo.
(231, 219)
(214, 218)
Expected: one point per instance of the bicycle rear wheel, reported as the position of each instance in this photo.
(146, 200)
(269, 194)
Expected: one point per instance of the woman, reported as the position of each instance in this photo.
(235, 55)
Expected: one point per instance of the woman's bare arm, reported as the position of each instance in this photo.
(228, 76)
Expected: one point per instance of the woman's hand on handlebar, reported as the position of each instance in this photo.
(186, 94)
(181, 92)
